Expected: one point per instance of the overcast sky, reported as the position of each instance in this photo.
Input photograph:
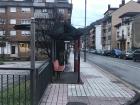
(95, 10)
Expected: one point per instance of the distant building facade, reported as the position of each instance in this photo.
(131, 6)
(98, 37)
(128, 37)
(111, 19)
(91, 38)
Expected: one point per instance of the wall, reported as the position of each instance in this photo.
(98, 37)
(136, 32)
(6, 49)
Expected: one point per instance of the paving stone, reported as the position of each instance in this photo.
(97, 89)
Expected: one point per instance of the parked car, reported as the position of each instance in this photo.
(116, 53)
(98, 51)
(106, 52)
(128, 55)
(92, 51)
(136, 55)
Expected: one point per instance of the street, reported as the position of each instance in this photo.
(126, 70)
(16, 73)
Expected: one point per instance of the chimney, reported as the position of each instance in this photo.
(123, 2)
(108, 6)
(138, 1)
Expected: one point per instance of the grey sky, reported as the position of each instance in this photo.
(95, 10)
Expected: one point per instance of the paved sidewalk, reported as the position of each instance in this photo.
(98, 89)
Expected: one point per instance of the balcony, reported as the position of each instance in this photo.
(19, 38)
(43, 15)
(121, 38)
(52, 5)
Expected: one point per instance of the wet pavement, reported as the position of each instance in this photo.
(97, 89)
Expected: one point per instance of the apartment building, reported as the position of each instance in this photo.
(91, 38)
(98, 37)
(106, 28)
(126, 31)
(95, 35)
(19, 12)
(14, 12)
(131, 6)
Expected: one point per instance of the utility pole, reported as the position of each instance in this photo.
(85, 37)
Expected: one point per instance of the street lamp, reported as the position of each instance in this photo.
(85, 38)
(34, 72)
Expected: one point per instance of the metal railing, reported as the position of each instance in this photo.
(16, 84)
(43, 78)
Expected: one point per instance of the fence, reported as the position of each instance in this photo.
(44, 78)
(16, 84)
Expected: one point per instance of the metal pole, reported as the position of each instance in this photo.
(34, 73)
(85, 37)
(78, 49)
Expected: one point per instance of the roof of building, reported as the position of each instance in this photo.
(129, 14)
(98, 22)
(110, 10)
(106, 18)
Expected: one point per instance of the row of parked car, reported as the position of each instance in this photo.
(135, 54)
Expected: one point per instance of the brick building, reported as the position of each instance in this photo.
(19, 12)
(12, 13)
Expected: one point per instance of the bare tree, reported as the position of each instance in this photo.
(2, 36)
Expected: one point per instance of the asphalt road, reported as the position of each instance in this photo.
(126, 70)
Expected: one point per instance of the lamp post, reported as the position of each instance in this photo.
(34, 73)
(85, 37)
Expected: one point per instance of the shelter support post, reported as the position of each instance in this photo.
(78, 49)
(74, 51)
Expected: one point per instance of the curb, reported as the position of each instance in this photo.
(112, 76)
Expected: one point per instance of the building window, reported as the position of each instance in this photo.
(45, 10)
(13, 9)
(18, 0)
(38, 0)
(2, 33)
(62, 11)
(13, 49)
(2, 10)
(12, 21)
(22, 45)
(118, 45)
(25, 33)
(49, 0)
(12, 33)
(109, 37)
(25, 21)
(122, 34)
(128, 31)
(118, 34)
(109, 29)
(2, 21)
(26, 10)
(128, 43)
